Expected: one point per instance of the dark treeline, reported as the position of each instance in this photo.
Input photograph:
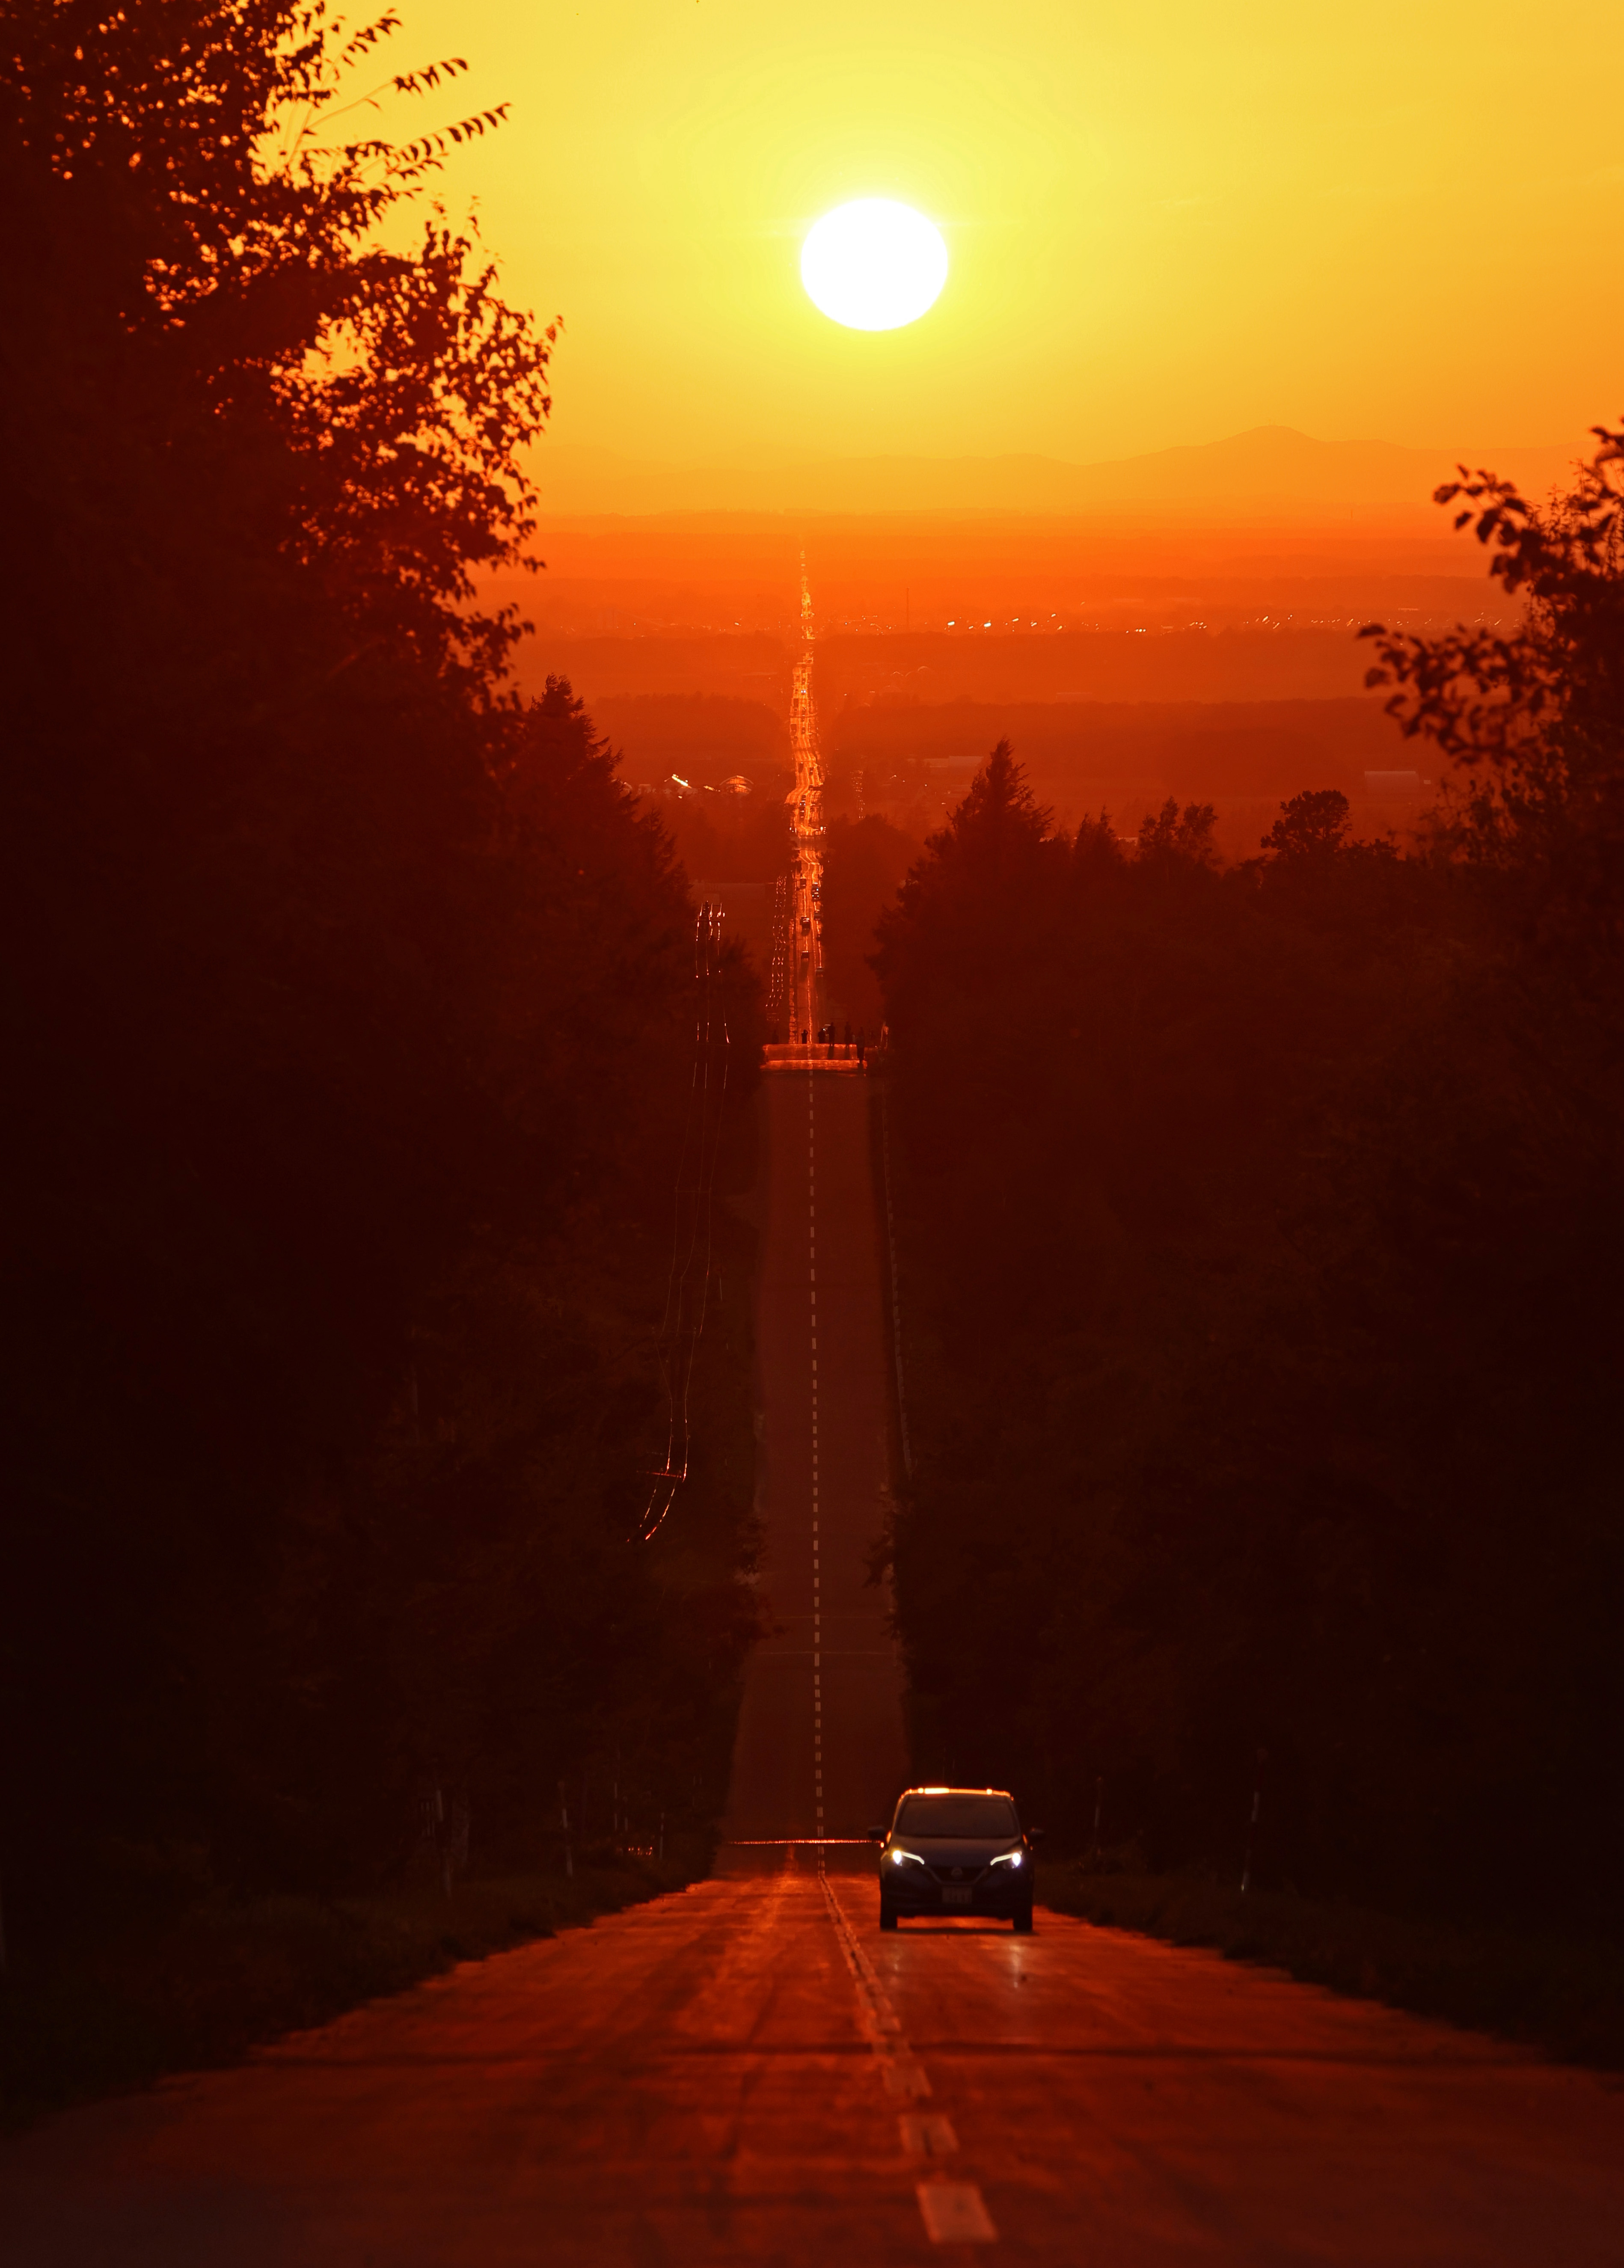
(1262, 1231)
(351, 1017)
(865, 861)
(721, 771)
(723, 838)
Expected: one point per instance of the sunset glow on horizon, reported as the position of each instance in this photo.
(1164, 229)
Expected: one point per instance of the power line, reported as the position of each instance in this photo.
(687, 1283)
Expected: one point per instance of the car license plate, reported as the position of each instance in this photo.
(955, 1897)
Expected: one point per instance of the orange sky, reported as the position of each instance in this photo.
(1168, 220)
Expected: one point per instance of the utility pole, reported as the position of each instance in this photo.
(1251, 1831)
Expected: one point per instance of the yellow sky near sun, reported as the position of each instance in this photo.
(1168, 220)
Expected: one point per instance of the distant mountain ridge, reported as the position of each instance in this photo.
(1272, 467)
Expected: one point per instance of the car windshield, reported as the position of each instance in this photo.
(976, 1816)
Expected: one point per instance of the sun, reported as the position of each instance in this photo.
(873, 265)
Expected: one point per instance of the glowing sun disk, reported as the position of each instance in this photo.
(873, 265)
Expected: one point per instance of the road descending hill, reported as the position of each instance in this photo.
(820, 1750)
(748, 2073)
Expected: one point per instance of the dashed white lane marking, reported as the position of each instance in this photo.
(817, 1614)
(903, 2073)
(954, 2214)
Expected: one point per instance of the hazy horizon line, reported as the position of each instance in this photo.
(784, 460)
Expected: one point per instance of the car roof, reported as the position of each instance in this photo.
(1004, 1791)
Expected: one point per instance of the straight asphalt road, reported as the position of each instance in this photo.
(820, 1749)
(748, 2072)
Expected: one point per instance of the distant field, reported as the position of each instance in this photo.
(933, 667)
(1126, 758)
(736, 666)
(1129, 655)
(879, 572)
(1085, 665)
(1102, 720)
(704, 738)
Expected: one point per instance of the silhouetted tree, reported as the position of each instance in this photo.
(350, 1018)
(1258, 1229)
(1311, 825)
(201, 302)
(866, 862)
(1534, 720)
(1184, 834)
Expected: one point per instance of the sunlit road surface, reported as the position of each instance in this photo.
(748, 2072)
(805, 958)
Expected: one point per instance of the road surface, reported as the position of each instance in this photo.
(820, 1747)
(749, 2073)
(795, 996)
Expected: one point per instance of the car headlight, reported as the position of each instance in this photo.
(905, 1858)
(1008, 1859)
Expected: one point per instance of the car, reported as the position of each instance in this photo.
(955, 1850)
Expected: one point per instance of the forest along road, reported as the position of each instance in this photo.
(749, 2071)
